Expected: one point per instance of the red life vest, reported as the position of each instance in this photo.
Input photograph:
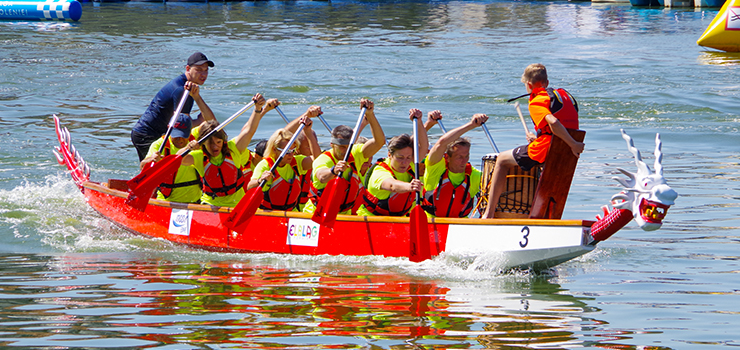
(398, 204)
(247, 167)
(305, 188)
(166, 187)
(361, 194)
(448, 200)
(564, 107)
(283, 194)
(222, 180)
(353, 192)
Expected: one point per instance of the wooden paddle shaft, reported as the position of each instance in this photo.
(521, 117)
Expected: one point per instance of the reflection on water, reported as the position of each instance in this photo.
(719, 58)
(78, 300)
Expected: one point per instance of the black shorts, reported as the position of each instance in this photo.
(522, 158)
(142, 142)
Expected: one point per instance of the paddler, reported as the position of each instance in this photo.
(185, 184)
(450, 182)
(391, 185)
(153, 123)
(254, 159)
(283, 187)
(218, 159)
(329, 164)
(304, 148)
(553, 111)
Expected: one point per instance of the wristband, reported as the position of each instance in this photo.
(332, 171)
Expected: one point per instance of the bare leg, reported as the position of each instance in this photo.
(504, 163)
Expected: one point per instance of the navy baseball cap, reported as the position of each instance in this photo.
(199, 58)
(182, 126)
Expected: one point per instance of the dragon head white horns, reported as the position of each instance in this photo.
(646, 194)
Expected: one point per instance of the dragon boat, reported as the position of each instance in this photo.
(527, 233)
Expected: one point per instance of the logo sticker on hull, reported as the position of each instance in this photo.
(180, 222)
(303, 232)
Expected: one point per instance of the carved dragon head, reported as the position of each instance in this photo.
(646, 194)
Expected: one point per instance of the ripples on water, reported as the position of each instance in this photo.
(72, 279)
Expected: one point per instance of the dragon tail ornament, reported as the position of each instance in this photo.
(68, 156)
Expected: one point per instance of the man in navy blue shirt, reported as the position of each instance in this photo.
(153, 123)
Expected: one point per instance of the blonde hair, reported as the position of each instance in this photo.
(534, 73)
(272, 143)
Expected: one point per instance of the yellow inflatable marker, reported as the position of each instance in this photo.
(724, 31)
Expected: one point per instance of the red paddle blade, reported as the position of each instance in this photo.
(138, 203)
(245, 209)
(419, 235)
(331, 199)
(142, 186)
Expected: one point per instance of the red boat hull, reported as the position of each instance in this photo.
(294, 233)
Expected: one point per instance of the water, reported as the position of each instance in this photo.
(72, 279)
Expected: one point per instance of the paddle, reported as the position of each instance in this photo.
(331, 199)
(490, 139)
(323, 121)
(174, 118)
(521, 117)
(282, 115)
(141, 187)
(248, 205)
(419, 232)
(441, 126)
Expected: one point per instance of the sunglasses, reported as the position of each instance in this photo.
(292, 150)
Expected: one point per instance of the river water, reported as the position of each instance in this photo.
(72, 279)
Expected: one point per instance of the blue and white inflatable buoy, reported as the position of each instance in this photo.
(36, 10)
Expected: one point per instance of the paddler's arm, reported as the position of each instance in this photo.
(398, 186)
(325, 174)
(560, 131)
(205, 112)
(153, 158)
(311, 112)
(313, 143)
(431, 121)
(267, 176)
(250, 127)
(440, 148)
(373, 145)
